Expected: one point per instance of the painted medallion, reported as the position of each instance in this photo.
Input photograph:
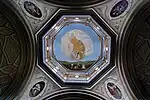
(119, 8)
(114, 90)
(37, 89)
(32, 9)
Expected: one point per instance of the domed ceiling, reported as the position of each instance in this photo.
(74, 49)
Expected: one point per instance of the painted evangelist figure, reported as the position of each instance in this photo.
(76, 44)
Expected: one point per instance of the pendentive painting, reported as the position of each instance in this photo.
(77, 46)
(114, 91)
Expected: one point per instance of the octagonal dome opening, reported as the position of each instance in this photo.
(76, 48)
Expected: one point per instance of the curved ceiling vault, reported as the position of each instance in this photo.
(74, 49)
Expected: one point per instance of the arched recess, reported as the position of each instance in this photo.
(74, 94)
(17, 51)
(75, 3)
(134, 52)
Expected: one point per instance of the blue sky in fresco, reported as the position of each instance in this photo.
(57, 43)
